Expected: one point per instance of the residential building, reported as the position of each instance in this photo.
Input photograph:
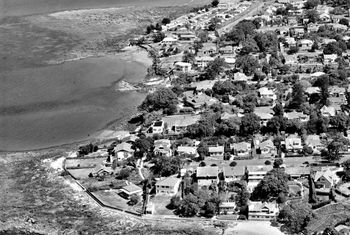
(266, 148)
(297, 172)
(170, 41)
(203, 61)
(207, 175)
(198, 100)
(241, 149)
(177, 124)
(305, 44)
(208, 49)
(216, 151)
(293, 143)
(262, 210)
(266, 93)
(326, 178)
(255, 174)
(162, 147)
(157, 127)
(227, 4)
(130, 190)
(314, 142)
(229, 174)
(168, 186)
(294, 115)
(227, 208)
(123, 151)
(183, 66)
(192, 150)
(328, 111)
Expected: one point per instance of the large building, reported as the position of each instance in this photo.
(168, 186)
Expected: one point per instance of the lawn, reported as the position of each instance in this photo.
(83, 162)
(112, 198)
(160, 202)
(82, 173)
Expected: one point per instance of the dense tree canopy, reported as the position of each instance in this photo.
(250, 124)
(273, 183)
(162, 99)
(295, 216)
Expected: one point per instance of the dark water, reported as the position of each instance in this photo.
(48, 106)
(27, 7)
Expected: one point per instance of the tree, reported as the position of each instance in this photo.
(330, 231)
(267, 41)
(334, 148)
(295, 216)
(214, 68)
(298, 97)
(273, 183)
(310, 4)
(224, 88)
(267, 162)
(340, 121)
(164, 166)
(333, 48)
(346, 166)
(189, 206)
(134, 199)
(214, 3)
(250, 124)
(277, 163)
(175, 202)
(141, 146)
(166, 21)
(233, 164)
(248, 64)
(124, 173)
(312, 15)
(312, 190)
(162, 99)
(278, 110)
(344, 21)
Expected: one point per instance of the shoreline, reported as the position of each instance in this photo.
(130, 54)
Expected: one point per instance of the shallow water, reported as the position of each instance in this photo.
(48, 106)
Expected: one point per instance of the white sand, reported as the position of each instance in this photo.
(253, 228)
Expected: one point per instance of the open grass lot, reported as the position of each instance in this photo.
(160, 202)
(84, 162)
(111, 198)
(82, 173)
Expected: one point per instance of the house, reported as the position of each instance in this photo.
(227, 50)
(229, 174)
(203, 85)
(216, 151)
(99, 171)
(168, 186)
(264, 117)
(266, 148)
(123, 151)
(305, 44)
(300, 116)
(329, 59)
(183, 66)
(266, 93)
(170, 41)
(293, 143)
(312, 90)
(162, 147)
(187, 150)
(241, 149)
(325, 18)
(314, 142)
(227, 208)
(130, 190)
(326, 178)
(241, 77)
(187, 38)
(297, 172)
(203, 61)
(328, 111)
(297, 31)
(227, 4)
(262, 210)
(335, 91)
(255, 174)
(177, 124)
(208, 49)
(157, 127)
(198, 100)
(207, 175)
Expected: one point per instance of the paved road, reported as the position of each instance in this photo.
(252, 10)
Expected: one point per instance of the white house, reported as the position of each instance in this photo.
(207, 175)
(216, 151)
(187, 150)
(328, 111)
(162, 147)
(168, 186)
(305, 44)
(157, 127)
(293, 143)
(123, 151)
(183, 66)
(241, 149)
(262, 210)
(266, 93)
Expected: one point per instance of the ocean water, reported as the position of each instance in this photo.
(52, 105)
(28, 7)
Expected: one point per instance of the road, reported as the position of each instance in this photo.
(252, 10)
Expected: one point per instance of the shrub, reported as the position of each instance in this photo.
(268, 162)
(233, 164)
(134, 199)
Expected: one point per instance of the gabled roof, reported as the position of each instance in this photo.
(241, 146)
(216, 149)
(327, 174)
(258, 206)
(181, 120)
(132, 188)
(170, 181)
(207, 171)
(123, 147)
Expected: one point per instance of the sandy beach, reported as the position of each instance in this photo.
(253, 228)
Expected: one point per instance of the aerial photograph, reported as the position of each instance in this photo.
(175, 117)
